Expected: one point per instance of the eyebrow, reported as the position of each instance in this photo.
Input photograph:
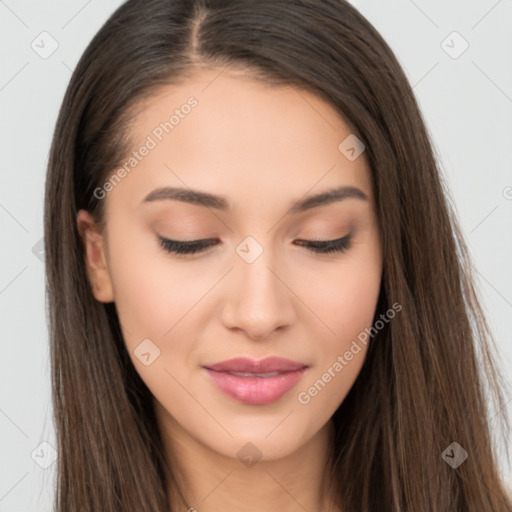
(208, 200)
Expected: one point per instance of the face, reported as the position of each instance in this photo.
(257, 287)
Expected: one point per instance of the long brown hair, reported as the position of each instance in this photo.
(429, 378)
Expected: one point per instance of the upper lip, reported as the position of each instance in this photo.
(247, 365)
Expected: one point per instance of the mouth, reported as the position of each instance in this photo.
(255, 382)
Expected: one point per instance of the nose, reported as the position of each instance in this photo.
(260, 301)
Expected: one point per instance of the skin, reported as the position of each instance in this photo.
(263, 149)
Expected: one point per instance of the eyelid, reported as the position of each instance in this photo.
(189, 247)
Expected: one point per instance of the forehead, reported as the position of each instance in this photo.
(228, 133)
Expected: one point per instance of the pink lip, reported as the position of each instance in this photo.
(256, 390)
(245, 364)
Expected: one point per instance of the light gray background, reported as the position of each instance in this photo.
(466, 102)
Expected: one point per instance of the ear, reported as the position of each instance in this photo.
(95, 257)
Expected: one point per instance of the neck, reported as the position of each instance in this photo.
(207, 481)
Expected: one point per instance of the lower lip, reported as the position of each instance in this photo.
(255, 390)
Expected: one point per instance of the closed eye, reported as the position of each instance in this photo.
(328, 246)
(338, 245)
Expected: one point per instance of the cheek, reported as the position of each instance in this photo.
(357, 296)
(348, 310)
(155, 301)
(353, 287)
(150, 295)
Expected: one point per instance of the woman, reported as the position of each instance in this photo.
(259, 295)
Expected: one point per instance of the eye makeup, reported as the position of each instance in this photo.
(338, 245)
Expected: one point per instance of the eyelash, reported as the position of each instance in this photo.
(339, 245)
